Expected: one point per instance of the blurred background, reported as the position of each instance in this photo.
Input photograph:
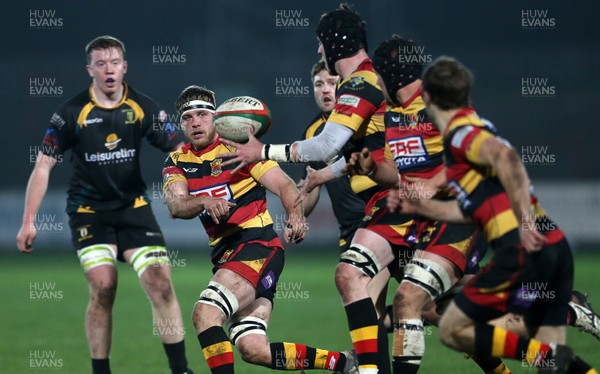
(535, 66)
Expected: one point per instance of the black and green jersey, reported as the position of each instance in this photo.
(105, 145)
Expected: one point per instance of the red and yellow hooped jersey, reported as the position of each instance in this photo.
(204, 176)
(413, 142)
(477, 188)
(360, 107)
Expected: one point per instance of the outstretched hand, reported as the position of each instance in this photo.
(306, 185)
(247, 153)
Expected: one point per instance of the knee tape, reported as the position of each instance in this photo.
(147, 256)
(96, 255)
(219, 296)
(409, 340)
(429, 275)
(246, 326)
(362, 258)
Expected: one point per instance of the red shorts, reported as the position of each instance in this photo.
(398, 229)
(454, 242)
(259, 261)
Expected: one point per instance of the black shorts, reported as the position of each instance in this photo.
(537, 286)
(346, 236)
(551, 305)
(126, 228)
(256, 255)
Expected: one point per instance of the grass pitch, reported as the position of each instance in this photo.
(44, 297)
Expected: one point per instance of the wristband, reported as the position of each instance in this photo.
(276, 152)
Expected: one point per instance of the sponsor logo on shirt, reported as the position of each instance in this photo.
(112, 157)
(460, 135)
(349, 100)
(409, 151)
(221, 190)
(57, 120)
(92, 121)
(112, 140)
(460, 194)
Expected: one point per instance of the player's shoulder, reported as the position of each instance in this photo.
(364, 74)
(314, 127)
(79, 100)
(361, 84)
(175, 156)
(359, 79)
(460, 137)
(141, 98)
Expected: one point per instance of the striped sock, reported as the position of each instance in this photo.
(217, 350)
(362, 321)
(498, 342)
(291, 356)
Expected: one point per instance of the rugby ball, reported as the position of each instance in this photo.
(235, 116)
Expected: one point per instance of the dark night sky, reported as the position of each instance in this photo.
(241, 48)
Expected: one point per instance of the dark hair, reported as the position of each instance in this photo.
(103, 42)
(448, 83)
(194, 93)
(317, 68)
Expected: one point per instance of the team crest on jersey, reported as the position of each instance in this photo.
(225, 256)
(370, 216)
(356, 81)
(84, 233)
(215, 167)
(129, 116)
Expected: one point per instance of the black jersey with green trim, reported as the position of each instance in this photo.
(105, 148)
(348, 208)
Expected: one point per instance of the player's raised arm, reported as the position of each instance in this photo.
(322, 147)
(312, 198)
(36, 189)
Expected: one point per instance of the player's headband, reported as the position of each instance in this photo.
(195, 105)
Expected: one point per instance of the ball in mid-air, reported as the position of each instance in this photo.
(235, 116)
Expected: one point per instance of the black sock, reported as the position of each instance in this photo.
(579, 366)
(176, 355)
(100, 366)
(383, 346)
(487, 364)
